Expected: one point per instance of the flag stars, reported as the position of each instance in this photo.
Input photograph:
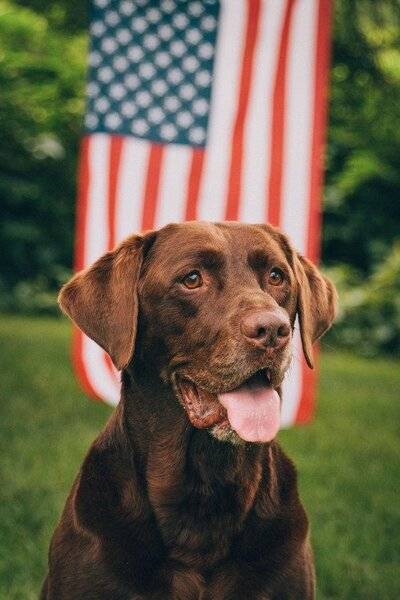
(120, 63)
(112, 120)
(151, 68)
(101, 3)
(168, 6)
(193, 36)
(172, 103)
(162, 59)
(146, 70)
(205, 50)
(190, 63)
(92, 89)
(139, 24)
(143, 99)
(200, 107)
(203, 78)
(112, 18)
(155, 115)
(184, 119)
(165, 32)
(124, 36)
(195, 9)
(140, 127)
(132, 81)
(102, 104)
(128, 109)
(94, 59)
(180, 21)
(159, 87)
(177, 48)
(151, 41)
(168, 131)
(175, 76)
(117, 91)
(127, 8)
(105, 74)
(91, 121)
(208, 23)
(197, 135)
(135, 53)
(109, 45)
(153, 15)
(187, 91)
(97, 28)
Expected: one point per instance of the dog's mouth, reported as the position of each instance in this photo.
(252, 409)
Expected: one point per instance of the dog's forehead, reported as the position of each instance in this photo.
(177, 241)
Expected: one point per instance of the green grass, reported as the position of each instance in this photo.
(348, 462)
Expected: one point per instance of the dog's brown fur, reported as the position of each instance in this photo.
(161, 510)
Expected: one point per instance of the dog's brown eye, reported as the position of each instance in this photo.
(275, 277)
(192, 280)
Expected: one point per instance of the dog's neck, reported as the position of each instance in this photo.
(173, 454)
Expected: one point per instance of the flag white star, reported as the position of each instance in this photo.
(112, 120)
(128, 109)
(139, 126)
(172, 103)
(168, 131)
(155, 115)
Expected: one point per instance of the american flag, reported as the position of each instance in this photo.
(210, 110)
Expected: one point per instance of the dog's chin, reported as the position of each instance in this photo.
(249, 412)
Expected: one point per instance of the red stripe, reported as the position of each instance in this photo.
(196, 169)
(278, 123)
(81, 205)
(79, 262)
(319, 128)
(306, 406)
(152, 186)
(235, 174)
(116, 144)
(115, 152)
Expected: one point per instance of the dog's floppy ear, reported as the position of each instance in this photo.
(102, 300)
(316, 304)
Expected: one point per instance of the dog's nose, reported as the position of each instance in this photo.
(266, 328)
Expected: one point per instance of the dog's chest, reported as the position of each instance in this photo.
(201, 511)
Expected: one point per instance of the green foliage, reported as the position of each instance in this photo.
(346, 461)
(42, 74)
(369, 318)
(362, 210)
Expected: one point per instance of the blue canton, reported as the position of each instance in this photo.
(151, 67)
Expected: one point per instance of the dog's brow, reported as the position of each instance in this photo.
(210, 258)
(258, 258)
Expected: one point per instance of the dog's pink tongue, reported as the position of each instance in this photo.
(253, 410)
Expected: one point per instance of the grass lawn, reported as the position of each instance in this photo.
(348, 462)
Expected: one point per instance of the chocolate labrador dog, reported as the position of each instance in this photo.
(185, 495)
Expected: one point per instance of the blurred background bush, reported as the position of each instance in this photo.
(42, 73)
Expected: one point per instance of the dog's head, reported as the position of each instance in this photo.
(211, 307)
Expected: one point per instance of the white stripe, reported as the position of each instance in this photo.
(96, 233)
(130, 187)
(227, 71)
(105, 385)
(292, 385)
(103, 382)
(299, 122)
(172, 194)
(297, 162)
(257, 141)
